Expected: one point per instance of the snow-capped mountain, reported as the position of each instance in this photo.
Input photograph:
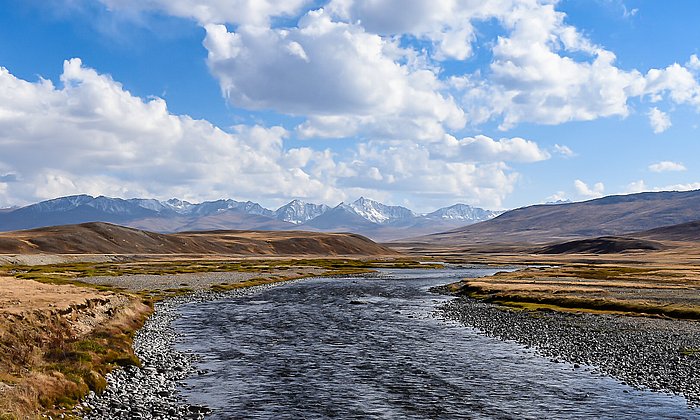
(462, 212)
(377, 212)
(253, 208)
(364, 216)
(179, 206)
(298, 212)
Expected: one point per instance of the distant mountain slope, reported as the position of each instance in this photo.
(602, 245)
(105, 238)
(298, 212)
(367, 217)
(689, 232)
(608, 216)
(379, 213)
(341, 218)
(462, 212)
(224, 220)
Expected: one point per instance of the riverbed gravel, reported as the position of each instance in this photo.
(151, 391)
(646, 353)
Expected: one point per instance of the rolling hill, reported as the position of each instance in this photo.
(609, 216)
(106, 238)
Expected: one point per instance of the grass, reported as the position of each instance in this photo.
(49, 369)
(556, 297)
(71, 273)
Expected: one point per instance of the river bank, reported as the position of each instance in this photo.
(647, 353)
(152, 391)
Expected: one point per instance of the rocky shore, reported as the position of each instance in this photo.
(151, 391)
(646, 353)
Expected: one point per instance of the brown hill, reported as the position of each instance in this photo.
(105, 238)
(684, 232)
(608, 216)
(602, 245)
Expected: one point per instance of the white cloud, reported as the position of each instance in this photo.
(557, 197)
(329, 71)
(641, 186)
(447, 24)
(658, 120)
(690, 186)
(348, 60)
(636, 187)
(584, 190)
(482, 148)
(667, 166)
(564, 150)
(395, 166)
(111, 142)
(693, 63)
(240, 12)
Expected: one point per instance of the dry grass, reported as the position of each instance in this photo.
(46, 367)
(661, 289)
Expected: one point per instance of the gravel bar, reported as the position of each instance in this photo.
(151, 391)
(646, 353)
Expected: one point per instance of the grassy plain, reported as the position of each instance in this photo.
(663, 282)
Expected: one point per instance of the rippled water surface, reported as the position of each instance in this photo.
(368, 347)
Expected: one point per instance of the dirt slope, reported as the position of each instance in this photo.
(105, 238)
(602, 245)
(608, 216)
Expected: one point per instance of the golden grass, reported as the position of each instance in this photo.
(47, 368)
(651, 290)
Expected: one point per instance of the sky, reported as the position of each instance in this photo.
(421, 103)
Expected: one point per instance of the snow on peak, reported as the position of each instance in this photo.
(377, 212)
(298, 212)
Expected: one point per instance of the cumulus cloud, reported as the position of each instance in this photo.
(394, 166)
(336, 73)
(636, 187)
(111, 142)
(557, 198)
(641, 186)
(357, 62)
(658, 120)
(114, 143)
(564, 150)
(240, 12)
(595, 191)
(447, 24)
(482, 148)
(667, 166)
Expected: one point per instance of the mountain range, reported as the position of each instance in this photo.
(364, 216)
(608, 216)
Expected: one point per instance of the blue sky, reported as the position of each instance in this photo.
(424, 104)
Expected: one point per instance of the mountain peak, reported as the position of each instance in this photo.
(377, 212)
(298, 212)
(463, 212)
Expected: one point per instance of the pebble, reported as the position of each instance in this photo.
(152, 390)
(644, 353)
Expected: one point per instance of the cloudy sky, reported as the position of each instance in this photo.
(422, 103)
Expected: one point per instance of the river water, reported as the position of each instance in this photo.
(370, 348)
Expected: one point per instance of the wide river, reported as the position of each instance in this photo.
(370, 348)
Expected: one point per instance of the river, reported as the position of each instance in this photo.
(370, 347)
